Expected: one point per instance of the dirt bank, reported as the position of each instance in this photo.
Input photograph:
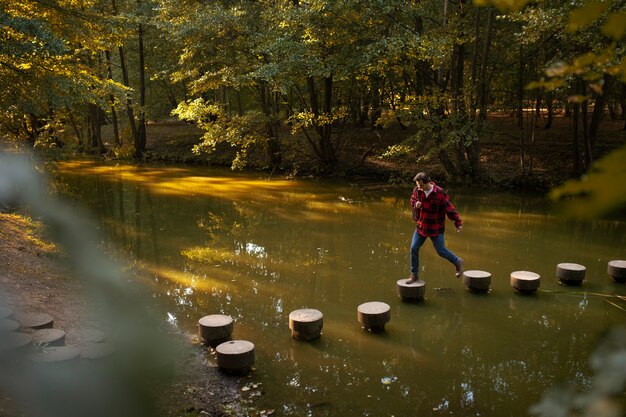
(36, 277)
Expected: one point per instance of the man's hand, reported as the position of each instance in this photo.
(418, 204)
(458, 229)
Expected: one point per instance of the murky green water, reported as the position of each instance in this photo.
(217, 242)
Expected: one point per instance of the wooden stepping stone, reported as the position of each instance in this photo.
(5, 312)
(477, 281)
(92, 336)
(15, 341)
(8, 325)
(570, 274)
(95, 351)
(57, 354)
(306, 324)
(235, 356)
(215, 329)
(374, 315)
(49, 337)
(525, 282)
(617, 271)
(35, 320)
(411, 292)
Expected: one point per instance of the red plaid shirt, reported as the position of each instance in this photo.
(431, 217)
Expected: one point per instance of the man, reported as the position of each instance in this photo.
(431, 204)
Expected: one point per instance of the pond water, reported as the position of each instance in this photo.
(256, 249)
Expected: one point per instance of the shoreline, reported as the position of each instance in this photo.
(37, 277)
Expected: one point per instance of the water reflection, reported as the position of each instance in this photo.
(211, 242)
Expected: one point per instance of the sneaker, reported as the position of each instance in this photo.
(459, 268)
(412, 278)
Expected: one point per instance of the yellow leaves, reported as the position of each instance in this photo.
(24, 65)
(598, 193)
(584, 60)
(557, 70)
(590, 66)
(309, 37)
(615, 26)
(551, 84)
(305, 119)
(585, 15)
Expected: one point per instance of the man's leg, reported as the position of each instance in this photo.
(440, 247)
(416, 243)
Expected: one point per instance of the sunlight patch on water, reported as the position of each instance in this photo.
(256, 250)
(468, 395)
(388, 380)
(183, 182)
(188, 280)
(278, 305)
(171, 319)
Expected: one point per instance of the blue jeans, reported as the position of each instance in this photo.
(440, 247)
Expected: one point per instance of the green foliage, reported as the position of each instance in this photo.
(586, 15)
(592, 50)
(504, 5)
(600, 56)
(238, 132)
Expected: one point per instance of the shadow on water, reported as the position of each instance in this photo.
(216, 242)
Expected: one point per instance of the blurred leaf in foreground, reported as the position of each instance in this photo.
(599, 192)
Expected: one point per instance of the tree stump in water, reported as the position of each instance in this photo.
(477, 281)
(14, 341)
(215, 329)
(35, 320)
(617, 271)
(570, 274)
(411, 292)
(49, 337)
(5, 312)
(525, 282)
(57, 354)
(92, 336)
(306, 324)
(235, 356)
(8, 325)
(374, 315)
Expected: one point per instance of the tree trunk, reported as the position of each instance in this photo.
(622, 103)
(96, 117)
(125, 79)
(116, 130)
(129, 101)
(520, 90)
(473, 116)
(140, 139)
(597, 114)
(77, 132)
(330, 152)
(586, 139)
(375, 101)
(538, 103)
(549, 104)
(575, 140)
(274, 153)
(30, 127)
(482, 92)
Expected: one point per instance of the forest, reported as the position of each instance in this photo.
(264, 80)
(505, 93)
